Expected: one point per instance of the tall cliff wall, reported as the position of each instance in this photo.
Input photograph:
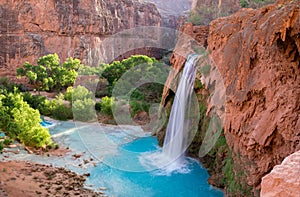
(257, 55)
(30, 29)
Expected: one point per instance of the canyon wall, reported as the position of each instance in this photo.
(257, 54)
(30, 29)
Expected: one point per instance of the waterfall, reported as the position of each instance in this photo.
(179, 125)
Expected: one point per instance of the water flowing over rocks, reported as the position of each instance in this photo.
(30, 29)
(257, 54)
(284, 179)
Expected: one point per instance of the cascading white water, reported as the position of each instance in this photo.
(177, 133)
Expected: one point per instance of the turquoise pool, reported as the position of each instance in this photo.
(125, 161)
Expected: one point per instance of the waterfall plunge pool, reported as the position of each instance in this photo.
(123, 157)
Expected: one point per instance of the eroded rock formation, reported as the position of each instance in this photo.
(257, 54)
(30, 29)
(284, 179)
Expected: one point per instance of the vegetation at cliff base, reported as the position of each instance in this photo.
(255, 3)
(19, 121)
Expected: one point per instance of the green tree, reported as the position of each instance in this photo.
(48, 74)
(115, 70)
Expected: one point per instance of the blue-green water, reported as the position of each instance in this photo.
(126, 161)
(121, 181)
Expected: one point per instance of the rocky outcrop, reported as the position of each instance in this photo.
(30, 29)
(284, 179)
(257, 54)
(191, 39)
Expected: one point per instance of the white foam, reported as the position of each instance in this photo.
(163, 165)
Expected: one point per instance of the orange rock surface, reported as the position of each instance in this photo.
(257, 54)
(284, 179)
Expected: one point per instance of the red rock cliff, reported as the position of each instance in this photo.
(30, 29)
(257, 54)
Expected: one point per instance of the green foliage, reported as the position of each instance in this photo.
(81, 93)
(195, 18)
(114, 71)
(255, 3)
(83, 105)
(62, 112)
(18, 119)
(138, 106)
(8, 86)
(84, 110)
(198, 85)
(35, 101)
(106, 105)
(59, 109)
(89, 70)
(7, 141)
(98, 106)
(48, 74)
(69, 94)
(1, 146)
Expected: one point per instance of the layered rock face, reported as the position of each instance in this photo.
(284, 179)
(30, 29)
(257, 54)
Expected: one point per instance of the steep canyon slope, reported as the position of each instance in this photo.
(257, 54)
(30, 29)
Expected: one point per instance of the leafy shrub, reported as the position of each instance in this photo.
(137, 95)
(62, 112)
(69, 94)
(83, 105)
(19, 120)
(138, 106)
(84, 110)
(48, 74)
(114, 71)
(81, 93)
(35, 101)
(88, 70)
(195, 18)
(107, 104)
(59, 109)
(7, 141)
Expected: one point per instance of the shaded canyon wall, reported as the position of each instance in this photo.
(30, 29)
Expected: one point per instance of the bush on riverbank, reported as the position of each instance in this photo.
(18, 120)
